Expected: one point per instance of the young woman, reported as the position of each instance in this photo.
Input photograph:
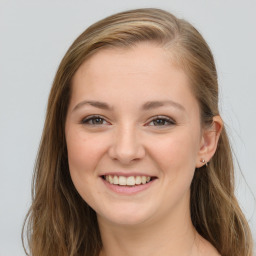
(134, 157)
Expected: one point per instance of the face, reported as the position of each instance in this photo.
(133, 135)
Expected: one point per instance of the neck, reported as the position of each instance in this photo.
(170, 237)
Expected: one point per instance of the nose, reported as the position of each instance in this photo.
(126, 146)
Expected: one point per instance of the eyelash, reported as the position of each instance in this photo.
(167, 120)
(89, 121)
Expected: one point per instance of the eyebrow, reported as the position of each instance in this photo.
(96, 104)
(156, 104)
(146, 106)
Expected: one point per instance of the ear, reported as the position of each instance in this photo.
(209, 141)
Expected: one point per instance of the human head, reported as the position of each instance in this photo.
(211, 189)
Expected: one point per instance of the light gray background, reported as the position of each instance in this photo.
(34, 36)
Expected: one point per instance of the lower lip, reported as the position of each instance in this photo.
(128, 190)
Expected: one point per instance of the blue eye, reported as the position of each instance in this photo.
(161, 121)
(94, 120)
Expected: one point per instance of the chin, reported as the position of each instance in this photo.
(125, 217)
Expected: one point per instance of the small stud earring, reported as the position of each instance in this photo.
(204, 162)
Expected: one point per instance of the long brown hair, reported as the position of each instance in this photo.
(59, 222)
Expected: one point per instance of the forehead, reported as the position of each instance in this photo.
(147, 70)
(144, 57)
(135, 56)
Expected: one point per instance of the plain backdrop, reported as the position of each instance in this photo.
(34, 35)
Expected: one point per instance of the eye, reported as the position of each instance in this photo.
(161, 121)
(94, 120)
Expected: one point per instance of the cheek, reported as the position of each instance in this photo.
(84, 153)
(176, 158)
(177, 152)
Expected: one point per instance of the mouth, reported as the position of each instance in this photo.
(130, 181)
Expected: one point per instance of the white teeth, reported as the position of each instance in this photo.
(130, 181)
(110, 179)
(144, 179)
(122, 181)
(127, 181)
(138, 180)
(116, 180)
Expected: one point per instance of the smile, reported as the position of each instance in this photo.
(127, 181)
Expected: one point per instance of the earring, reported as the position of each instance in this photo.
(204, 162)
